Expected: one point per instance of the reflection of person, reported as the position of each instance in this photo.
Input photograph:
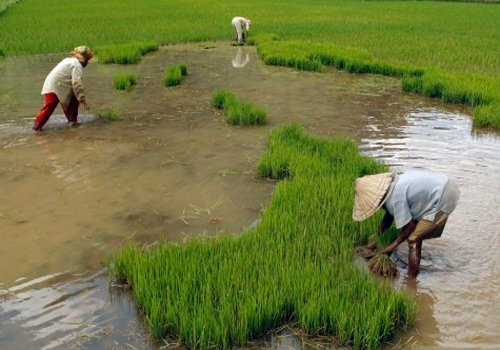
(418, 201)
(240, 24)
(241, 58)
(64, 85)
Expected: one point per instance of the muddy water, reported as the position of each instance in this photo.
(172, 167)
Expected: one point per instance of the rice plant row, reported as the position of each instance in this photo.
(238, 111)
(124, 81)
(174, 73)
(479, 91)
(126, 53)
(297, 265)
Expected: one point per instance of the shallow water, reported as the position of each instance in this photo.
(172, 167)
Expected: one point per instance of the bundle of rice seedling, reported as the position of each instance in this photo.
(382, 265)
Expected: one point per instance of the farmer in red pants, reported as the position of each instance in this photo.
(64, 85)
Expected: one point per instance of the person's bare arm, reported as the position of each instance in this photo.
(406, 231)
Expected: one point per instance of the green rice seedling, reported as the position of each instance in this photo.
(124, 53)
(487, 115)
(295, 266)
(109, 114)
(222, 98)
(124, 81)
(382, 265)
(237, 111)
(174, 73)
(2, 53)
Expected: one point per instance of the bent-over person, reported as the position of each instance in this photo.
(419, 202)
(64, 85)
(240, 24)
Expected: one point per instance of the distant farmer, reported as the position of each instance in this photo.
(64, 85)
(240, 24)
(418, 201)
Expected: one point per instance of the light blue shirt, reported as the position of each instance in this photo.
(420, 195)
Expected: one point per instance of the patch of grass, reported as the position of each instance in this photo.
(2, 52)
(174, 73)
(487, 115)
(296, 265)
(124, 53)
(238, 111)
(109, 114)
(221, 98)
(124, 81)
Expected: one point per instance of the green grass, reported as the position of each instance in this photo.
(124, 81)
(125, 53)
(238, 111)
(296, 266)
(173, 74)
(109, 114)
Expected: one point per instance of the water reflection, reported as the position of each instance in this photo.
(241, 58)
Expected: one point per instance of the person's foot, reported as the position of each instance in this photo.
(75, 124)
(37, 129)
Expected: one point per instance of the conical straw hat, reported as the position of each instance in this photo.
(370, 193)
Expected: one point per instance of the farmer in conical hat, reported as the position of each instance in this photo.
(64, 85)
(240, 24)
(418, 201)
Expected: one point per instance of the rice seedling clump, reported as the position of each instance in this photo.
(174, 73)
(124, 81)
(297, 264)
(238, 111)
(109, 114)
(382, 265)
(125, 53)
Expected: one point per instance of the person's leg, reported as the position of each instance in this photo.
(71, 112)
(425, 230)
(239, 33)
(414, 255)
(50, 104)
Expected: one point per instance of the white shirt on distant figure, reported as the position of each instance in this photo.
(239, 24)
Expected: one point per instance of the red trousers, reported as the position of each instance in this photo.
(50, 104)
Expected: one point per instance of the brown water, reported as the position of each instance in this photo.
(72, 196)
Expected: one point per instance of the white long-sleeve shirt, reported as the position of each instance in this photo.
(65, 80)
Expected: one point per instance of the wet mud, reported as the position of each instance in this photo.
(71, 196)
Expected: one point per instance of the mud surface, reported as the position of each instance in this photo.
(173, 167)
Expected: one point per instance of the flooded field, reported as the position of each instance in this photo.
(173, 167)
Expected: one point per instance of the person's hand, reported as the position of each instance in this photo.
(86, 106)
(372, 245)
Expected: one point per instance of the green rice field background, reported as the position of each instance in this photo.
(453, 45)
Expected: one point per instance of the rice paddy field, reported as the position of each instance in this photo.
(445, 50)
(296, 265)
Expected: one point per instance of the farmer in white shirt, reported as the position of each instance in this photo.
(64, 85)
(240, 24)
(418, 201)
